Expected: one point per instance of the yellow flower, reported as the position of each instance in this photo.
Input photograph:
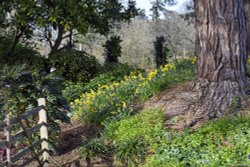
(113, 113)
(194, 60)
(87, 102)
(124, 105)
(137, 91)
(152, 74)
(77, 101)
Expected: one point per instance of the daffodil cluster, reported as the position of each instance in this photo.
(113, 99)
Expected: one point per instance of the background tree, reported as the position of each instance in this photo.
(139, 35)
(61, 19)
(142, 14)
(137, 38)
(179, 33)
(158, 6)
(112, 49)
(221, 49)
(189, 11)
(160, 51)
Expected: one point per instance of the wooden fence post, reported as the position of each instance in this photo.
(44, 129)
(8, 140)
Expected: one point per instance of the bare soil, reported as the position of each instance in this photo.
(71, 138)
(174, 101)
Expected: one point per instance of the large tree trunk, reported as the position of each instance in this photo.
(222, 54)
(247, 16)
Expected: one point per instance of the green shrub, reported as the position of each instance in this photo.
(74, 65)
(21, 86)
(110, 73)
(23, 54)
(94, 148)
(112, 49)
(73, 90)
(161, 51)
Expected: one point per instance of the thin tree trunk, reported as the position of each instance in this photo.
(222, 54)
(19, 34)
(58, 40)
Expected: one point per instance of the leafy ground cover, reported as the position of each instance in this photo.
(224, 142)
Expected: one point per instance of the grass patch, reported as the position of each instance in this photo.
(142, 139)
(136, 136)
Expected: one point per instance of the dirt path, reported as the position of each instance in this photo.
(70, 140)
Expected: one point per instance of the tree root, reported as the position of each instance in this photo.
(204, 101)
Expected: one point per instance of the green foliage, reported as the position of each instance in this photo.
(224, 142)
(183, 71)
(136, 136)
(21, 55)
(130, 138)
(63, 16)
(112, 49)
(109, 73)
(131, 152)
(112, 100)
(94, 148)
(73, 90)
(74, 65)
(145, 126)
(21, 86)
(219, 143)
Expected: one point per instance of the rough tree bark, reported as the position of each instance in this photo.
(247, 16)
(222, 54)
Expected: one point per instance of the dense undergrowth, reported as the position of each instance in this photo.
(112, 100)
(224, 142)
(140, 139)
(109, 73)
